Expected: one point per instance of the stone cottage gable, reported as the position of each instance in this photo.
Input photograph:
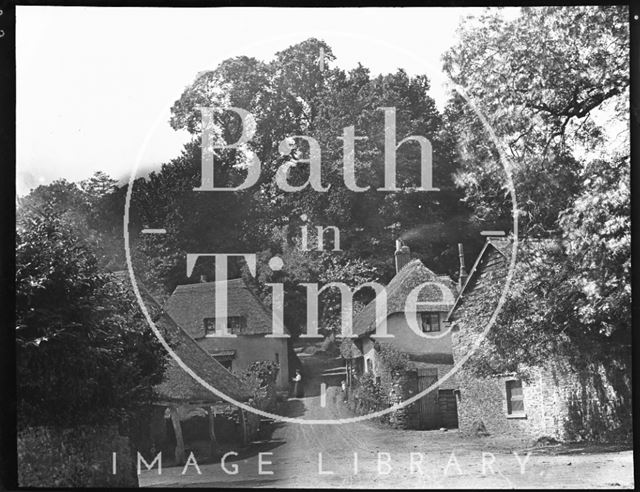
(480, 294)
(191, 304)
(556, 400)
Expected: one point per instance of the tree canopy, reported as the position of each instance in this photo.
(293, 96)
(556, 104)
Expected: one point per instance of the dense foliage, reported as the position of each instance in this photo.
(374, 394)
(560, 106)
(84, 354)
(545, 101)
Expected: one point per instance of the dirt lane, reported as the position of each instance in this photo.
(370, 455)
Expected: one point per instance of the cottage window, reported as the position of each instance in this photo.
(209, 326)
(235, 324)
(430, 322)
(515, 400)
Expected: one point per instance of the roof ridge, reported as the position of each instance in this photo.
(414, 273)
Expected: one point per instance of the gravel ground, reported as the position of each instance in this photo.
(367, 454)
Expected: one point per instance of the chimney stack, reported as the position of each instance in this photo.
(462, 277)
(402, 255)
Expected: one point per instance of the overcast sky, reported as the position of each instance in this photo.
(94, 85)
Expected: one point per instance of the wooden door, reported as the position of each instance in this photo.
(448, 408)
(428, 412)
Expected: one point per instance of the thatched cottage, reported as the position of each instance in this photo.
(193, 308)
(429, 350)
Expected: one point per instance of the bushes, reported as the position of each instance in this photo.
(374, 394)
(261, 376)
(84, 353)
(392, 359)
(78, 457)
(367, 396)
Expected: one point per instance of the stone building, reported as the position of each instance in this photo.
(555, 400)
(427, 344)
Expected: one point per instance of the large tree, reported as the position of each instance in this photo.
(554, 84)
(294, 94)
(541, 80)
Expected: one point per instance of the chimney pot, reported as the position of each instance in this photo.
(402, 255)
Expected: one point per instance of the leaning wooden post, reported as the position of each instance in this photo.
(243, 422)
(177, 429)
(211, 410)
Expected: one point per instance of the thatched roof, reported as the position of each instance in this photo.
(349, 350)
(177, 384)
(408, 278)
(190, 304)
(446, 280)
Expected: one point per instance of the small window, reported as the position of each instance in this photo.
(209, 326)
(430, 322)
(369, 365)
(235, 324)
(277, 358)
(515, 400)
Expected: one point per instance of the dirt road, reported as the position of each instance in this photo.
(366, 454)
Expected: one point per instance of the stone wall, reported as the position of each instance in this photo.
(75, 457)
(558, 402)
(400, 385)
(483, 400)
